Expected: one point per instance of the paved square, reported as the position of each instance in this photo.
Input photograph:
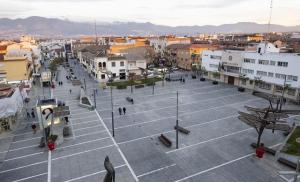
(217, 149)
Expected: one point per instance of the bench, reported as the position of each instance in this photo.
(129, 99)
(182, 130)
(165, 140)
(287, 163)
(270, 151)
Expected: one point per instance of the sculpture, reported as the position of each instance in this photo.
(110, 175)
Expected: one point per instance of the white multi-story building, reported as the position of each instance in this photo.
(265, 70)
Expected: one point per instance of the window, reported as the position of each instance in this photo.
(230, 58)
(272, 63)
(103, 76)
(100, 64)
(213, 66)
(265, 86)
(122, 63)
(261, 73)
(104, 64)
(248, 71)
(280, 76)
(291, 91)
(282, 64)
(113, 64)
(292, 78)
(263, 62)
(270, 74)
(243, 82)
(215, 57)
(247, 60)
(278, 89)
(114, 75)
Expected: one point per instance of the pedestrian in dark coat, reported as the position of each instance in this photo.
(33, 126)
(70, 91)
(120, 110)
(32, 113)
(124, 110)
(28, 114)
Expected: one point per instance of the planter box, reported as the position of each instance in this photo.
(241, 89)
(202, 79)
(139, 86)
(215, 83)
(150, 84)
(121, 87)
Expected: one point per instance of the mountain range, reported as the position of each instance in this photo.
(53, 27)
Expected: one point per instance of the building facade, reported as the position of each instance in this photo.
(265, 70)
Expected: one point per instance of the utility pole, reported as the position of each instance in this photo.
(95, 98)
(153, 87)
(177, 121)
(112, 113)
(84, 84)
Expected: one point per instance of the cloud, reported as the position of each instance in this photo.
(211, 4)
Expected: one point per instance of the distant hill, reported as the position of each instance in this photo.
(49, 27)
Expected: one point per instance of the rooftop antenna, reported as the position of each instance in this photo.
(269, 27)
(96, 40)
(270, 18)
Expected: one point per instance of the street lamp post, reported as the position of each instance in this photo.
(95, 98)
(177, 121)
(112, 112)
(153, 87)
(84, 84)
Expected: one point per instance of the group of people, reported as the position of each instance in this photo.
(122, 110)
(60, 83)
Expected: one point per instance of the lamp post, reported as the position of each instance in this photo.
(177, 121)
(112, 112)
(95, 98)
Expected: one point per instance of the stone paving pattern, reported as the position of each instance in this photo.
(217, 149)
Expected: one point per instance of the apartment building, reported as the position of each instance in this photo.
(265, 70)
(187, 55)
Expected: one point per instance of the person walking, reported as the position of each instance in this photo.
(32, 113)
(33, 126)
(28, 114)
(124, 110)
(70, 91)
(120, 110)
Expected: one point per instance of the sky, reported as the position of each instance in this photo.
(163, 12)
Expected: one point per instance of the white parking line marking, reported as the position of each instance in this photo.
(49, 166)
(87, 127)
(84, 122)
(86, 151)
(154, 171)
(82, 118)
(30, 177)
(90, 141)
(200, 93)
(21, 167)
(88, 175)
(24, 156)
(190, 103)
(115, 143)
(210, 140)
(26, 139)
(221, 165)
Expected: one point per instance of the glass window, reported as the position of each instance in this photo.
(113, 64)
(270, 74)
(282, 64)
(273, 63)
(103, 76)
(263, 62)
(247, 60)
(122, 63)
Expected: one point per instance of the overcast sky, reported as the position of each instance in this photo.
(165, 12)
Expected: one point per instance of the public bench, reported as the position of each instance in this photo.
(165, 140)
(129, 99)
(287, 162)
(182, 130)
